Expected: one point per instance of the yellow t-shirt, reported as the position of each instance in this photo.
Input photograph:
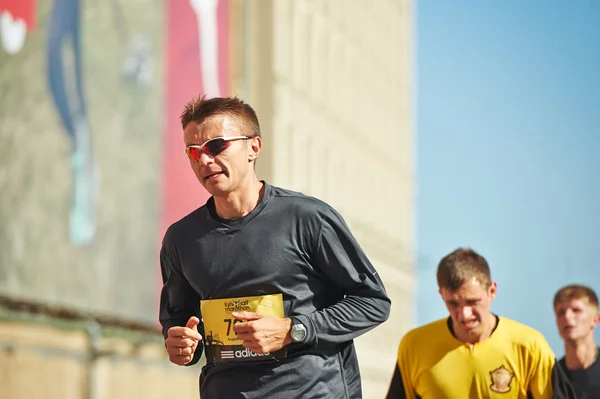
(514, 362)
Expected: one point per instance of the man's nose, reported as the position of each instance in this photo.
(205, 158)
(569, 314)
(466, 312)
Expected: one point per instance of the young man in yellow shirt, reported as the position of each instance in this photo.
(474, 353)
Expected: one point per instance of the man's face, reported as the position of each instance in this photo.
(469, 307)
(576, 319)
(227, 171)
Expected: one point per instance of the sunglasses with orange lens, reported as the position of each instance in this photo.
(212, 147)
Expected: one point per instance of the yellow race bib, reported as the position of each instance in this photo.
(220, 341)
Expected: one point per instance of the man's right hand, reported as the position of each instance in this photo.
(181, 342)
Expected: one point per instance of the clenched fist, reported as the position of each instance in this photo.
(181, 342)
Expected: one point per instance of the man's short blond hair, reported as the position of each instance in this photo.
(575, 291)
(460, 266)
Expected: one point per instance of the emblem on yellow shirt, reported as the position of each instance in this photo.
(501, 379)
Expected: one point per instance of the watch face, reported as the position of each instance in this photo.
(298, 333)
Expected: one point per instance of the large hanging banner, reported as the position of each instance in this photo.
(92, 163)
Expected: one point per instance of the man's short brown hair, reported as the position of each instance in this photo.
(460, 266)
(575, 291)
(201, 108)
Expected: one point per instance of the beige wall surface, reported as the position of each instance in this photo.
(332, 83)
(42, 362)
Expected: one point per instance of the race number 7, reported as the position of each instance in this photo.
(229, 323)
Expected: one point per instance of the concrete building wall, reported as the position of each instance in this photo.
(331, 81)
(40, 361)
(332, 84)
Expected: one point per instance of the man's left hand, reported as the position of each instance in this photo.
(260, 333)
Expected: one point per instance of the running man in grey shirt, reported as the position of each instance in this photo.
(269, 283)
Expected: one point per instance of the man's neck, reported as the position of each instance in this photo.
(241, 202)
(580, 354)
(491, 326)
(488, 328)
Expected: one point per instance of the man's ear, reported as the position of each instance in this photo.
(254, 148)
(493, 290)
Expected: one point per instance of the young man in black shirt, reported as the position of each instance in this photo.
(576, 310)
(270, 283)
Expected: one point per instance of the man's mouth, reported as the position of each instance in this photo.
(213, 175)
(469, 324)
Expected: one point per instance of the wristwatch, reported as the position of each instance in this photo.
(298, 332)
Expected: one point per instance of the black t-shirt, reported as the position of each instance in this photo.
(586, 382)
(290, 244)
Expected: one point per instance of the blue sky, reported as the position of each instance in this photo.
(508, 148)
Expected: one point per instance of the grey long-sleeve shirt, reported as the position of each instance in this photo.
(290, 244)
